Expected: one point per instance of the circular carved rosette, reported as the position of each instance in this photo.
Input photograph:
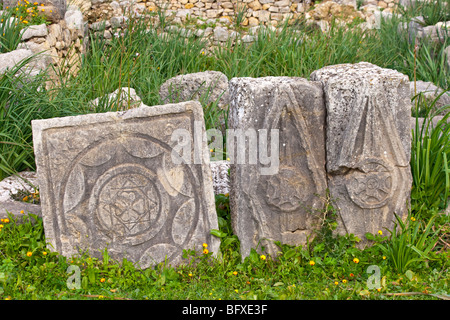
(132, 196)
(373, 185)
(286, 190)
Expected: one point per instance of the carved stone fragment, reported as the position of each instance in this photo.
(368, 145)
(109, 181)
(277, 160)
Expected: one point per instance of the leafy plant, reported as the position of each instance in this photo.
(10, 32)
(430, 156)
(410, 244)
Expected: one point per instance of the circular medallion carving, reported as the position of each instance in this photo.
(127, 203)
(286, 190)
(372, 186)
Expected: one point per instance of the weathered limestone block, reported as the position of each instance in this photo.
(211, 86)
(278, 176)
(57, 6)
(123, 180)
(368, 145)
(34, 31)
(128, 99)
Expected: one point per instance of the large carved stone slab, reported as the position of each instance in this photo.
(109, 180)
(368, 145)
(277, 190)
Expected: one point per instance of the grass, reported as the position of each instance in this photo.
(28, 270)
(329, 267)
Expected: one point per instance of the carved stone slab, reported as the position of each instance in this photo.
(368, 144)
(109, 180)
(277, 191)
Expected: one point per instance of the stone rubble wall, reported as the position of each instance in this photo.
(254, 12)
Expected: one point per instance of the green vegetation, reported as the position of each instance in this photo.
(413, 257)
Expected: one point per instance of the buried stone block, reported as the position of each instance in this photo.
(368, 145)
(277, 155)
(115, 181)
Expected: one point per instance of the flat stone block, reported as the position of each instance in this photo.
(119, 180)
(368, 145)
(277, 170)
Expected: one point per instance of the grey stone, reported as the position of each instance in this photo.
(74, 19)
(430, 92)
(437, 33)
(59, 5)
(15, 209)
(248, 38)
(128, 99)
(124, 181)
(447, 55)
(42, 59)
(368, 145)
(35, 31)
(10, 59)
(183, 14)
(210, 86)
(100, 25)
(221, 34)
(118, 21)
(414, 28)
(430, 125)
(278, 196)
(23, 181)
(221, 179)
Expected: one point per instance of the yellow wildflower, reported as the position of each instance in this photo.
(205, 251)
(29, 254)
(356, 260)
(312, 263)
(380, 232)
(262, 257)
(235, 273)
(102, 280)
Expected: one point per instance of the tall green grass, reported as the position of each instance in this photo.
(10, 31)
